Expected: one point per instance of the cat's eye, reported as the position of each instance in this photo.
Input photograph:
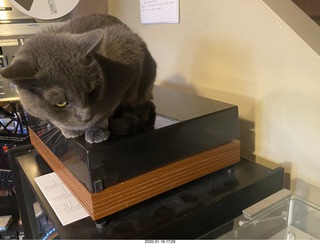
(61, 105)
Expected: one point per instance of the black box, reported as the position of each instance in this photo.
(193, 125)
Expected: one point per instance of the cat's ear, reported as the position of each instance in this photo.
(20, 73)
(90, 40)
(19, 69)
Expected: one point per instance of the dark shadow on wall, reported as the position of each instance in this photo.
(246, 127)
(178, 83)
(223, 71)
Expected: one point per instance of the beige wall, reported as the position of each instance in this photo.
(243, 53)
(88, 7)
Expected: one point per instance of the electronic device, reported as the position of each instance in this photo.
(6, 179)
(199, 138)
(45, 10)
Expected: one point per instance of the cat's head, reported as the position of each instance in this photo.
(57, 77)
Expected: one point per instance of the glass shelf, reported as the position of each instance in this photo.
(291, 218)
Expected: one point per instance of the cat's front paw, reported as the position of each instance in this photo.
(96, 135)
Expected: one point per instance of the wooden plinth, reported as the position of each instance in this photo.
(141, 187)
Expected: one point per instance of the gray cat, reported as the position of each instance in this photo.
(92, 76)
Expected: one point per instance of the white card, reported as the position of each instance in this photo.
(159, 11)
(65, 205)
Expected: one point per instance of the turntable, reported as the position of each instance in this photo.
(193, 137)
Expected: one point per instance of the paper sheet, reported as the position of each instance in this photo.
(66, 206)
(159, 11)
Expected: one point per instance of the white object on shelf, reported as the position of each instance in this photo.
(45, 9)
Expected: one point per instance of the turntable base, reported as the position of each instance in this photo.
(137, 189)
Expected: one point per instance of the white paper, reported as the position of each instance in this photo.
(159, 11)
(66, 206)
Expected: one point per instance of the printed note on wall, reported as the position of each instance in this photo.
(159, 11)
(66, 206)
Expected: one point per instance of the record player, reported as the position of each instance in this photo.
(193, 137)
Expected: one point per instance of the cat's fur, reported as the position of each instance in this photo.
(98, 67)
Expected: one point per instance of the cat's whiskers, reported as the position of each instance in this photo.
(44, 135)
(41, 128)
(57, 140)
(46, 130)
(38, 128)
(49, 138)
(49, 134)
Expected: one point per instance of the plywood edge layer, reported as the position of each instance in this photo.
(135, 190)
(142, 187)
(75, 186)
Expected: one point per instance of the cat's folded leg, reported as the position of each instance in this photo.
(96, 135)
